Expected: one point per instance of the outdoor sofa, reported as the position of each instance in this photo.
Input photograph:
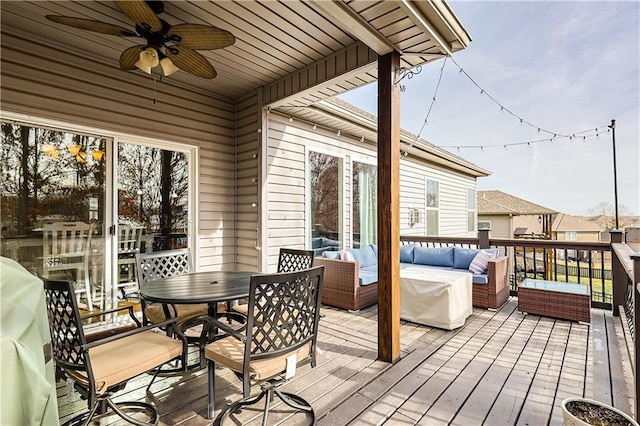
(353, 284)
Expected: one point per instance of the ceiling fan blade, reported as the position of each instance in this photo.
(130, 56)
(140, 13)
(91, 25)
(191, 62)
(205, 37)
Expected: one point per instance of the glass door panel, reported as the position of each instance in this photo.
(52, 204)
(153, 206)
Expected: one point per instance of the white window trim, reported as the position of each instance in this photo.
(427, 208)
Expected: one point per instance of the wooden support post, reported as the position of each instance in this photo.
(619, 273)
(636, 338)
(388, 209)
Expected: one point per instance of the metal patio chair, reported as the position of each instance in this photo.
(100, 368)
(268, 351)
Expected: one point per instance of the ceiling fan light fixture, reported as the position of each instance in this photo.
(168, 67)
(148, 60)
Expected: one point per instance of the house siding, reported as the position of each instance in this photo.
(43, 82)
(288, 144)
(501, 225)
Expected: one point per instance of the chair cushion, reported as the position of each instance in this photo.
(155, 313)
(406, 253)
(118, 361)
(230, 352)
(435, 256)
(364, 256)
(462, 257)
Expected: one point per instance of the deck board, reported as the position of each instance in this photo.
(503, 367)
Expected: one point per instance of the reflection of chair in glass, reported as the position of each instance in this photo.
(129, 241)
(284, 310)
(102, 367)
(66, 249)
(163, 264)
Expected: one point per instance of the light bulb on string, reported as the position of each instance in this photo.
(315, 127)
(290, 119)
(338, 133)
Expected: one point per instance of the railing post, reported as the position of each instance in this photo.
(483, 237)
(619, 274)
(636, 321)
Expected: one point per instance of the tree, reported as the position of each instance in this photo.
(604, 213)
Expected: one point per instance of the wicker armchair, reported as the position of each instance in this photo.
(342, 287)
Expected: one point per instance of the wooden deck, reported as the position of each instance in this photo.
(501, 368)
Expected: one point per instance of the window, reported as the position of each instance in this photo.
(571, 235)
(432, 207)
(471, 210)
(325, 183)
(365, 210)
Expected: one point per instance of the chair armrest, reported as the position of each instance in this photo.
(210, 321)
(343, 275)
(110, 311)
(497, 273)
(138, 331)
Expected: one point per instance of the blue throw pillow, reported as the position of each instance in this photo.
(375, 250)
(364, 256)
(434, 256)
(406, 253)
(462, 257)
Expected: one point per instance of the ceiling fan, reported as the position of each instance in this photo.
(171, 47)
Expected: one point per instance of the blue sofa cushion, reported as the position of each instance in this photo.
(480, 279)
(435, 256)
(364, 256)
(462, 257)
(331, 254)
(406, 253)
(368, 277)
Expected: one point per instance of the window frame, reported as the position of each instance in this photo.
(428, 209)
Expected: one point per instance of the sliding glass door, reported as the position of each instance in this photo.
(153, 207)
(52, 206)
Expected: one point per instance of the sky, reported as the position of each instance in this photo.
(565, 67)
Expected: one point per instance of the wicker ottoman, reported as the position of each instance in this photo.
(555, 299)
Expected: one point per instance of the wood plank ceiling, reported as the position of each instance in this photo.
(274, 39)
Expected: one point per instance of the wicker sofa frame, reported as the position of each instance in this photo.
(342, 288)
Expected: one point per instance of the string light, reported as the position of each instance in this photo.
(290, 119)
(433, 99)
(586, 134)
(315, 127)
(502, 107)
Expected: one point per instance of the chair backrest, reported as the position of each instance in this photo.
(292, 260)
(162, 264)
(283, 314)
(65, 325)
(129, 239)
(66, 238)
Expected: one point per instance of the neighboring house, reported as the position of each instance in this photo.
(575, 228)
(505, 214)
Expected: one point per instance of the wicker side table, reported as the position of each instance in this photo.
(555, 299)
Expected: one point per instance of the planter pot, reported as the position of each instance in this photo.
(571, 420)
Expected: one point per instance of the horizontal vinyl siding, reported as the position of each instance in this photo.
(500, 225)
(248, 180)
(43, 82)
(286, 185)
(453, 197)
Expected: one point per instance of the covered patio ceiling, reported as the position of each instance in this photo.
(300, 52)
